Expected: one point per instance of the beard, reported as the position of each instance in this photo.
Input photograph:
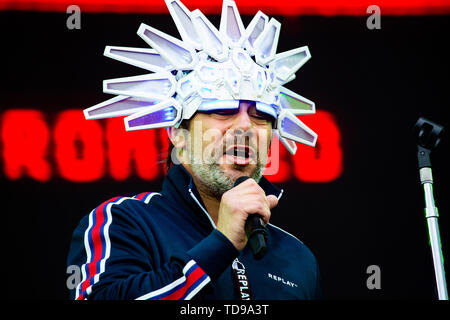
(208, 165)
(216, 180)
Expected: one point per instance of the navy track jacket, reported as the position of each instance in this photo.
(165, 246)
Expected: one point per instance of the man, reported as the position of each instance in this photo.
(221, 110)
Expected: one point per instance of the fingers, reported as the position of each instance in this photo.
(237, 204)
(273, 201)
(254, 204)
(253, 199)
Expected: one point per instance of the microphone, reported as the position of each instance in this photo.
(255, 230)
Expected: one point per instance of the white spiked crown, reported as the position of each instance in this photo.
(209, 69)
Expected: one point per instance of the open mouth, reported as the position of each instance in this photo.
(240, 154)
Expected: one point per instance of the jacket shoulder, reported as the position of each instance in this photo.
(291, 242)
(283, 233)
(123, 202)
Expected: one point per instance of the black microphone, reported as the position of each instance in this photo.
(255, 230)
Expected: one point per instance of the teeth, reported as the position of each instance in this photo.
(244, 153)
(238, 152)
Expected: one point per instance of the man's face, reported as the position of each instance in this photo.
(226, 144)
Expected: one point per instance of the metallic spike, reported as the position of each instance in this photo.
(254, 29)
(183, 21)
(290, 127)
(265, 45)
(289, 144)
(213, 41)
(295, 102)
(116, 107)
(148, 59)
(179, 54)
(167, 113)
(231, 26)
(154, 86)
(286, 64)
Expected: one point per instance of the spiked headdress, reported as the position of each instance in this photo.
(208, 69)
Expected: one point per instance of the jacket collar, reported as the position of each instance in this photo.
(180, 188)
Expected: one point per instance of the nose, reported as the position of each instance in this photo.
(242, 123)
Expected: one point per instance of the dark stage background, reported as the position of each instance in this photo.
(376, 83)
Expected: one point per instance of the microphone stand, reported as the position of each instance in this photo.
(429, 136)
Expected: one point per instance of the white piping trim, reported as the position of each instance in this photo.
(281, 193)
(199, 287)
(177, 282)
(96, 277)
(286, 233)
(150, 196)
(170, 285)
(204, 210)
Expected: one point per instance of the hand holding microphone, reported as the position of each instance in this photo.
(244, 210)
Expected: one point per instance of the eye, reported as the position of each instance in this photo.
(222, 112)
(226, 112)
(259, 115)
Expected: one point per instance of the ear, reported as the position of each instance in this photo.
(177, 137)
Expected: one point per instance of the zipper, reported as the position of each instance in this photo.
(203, 209)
